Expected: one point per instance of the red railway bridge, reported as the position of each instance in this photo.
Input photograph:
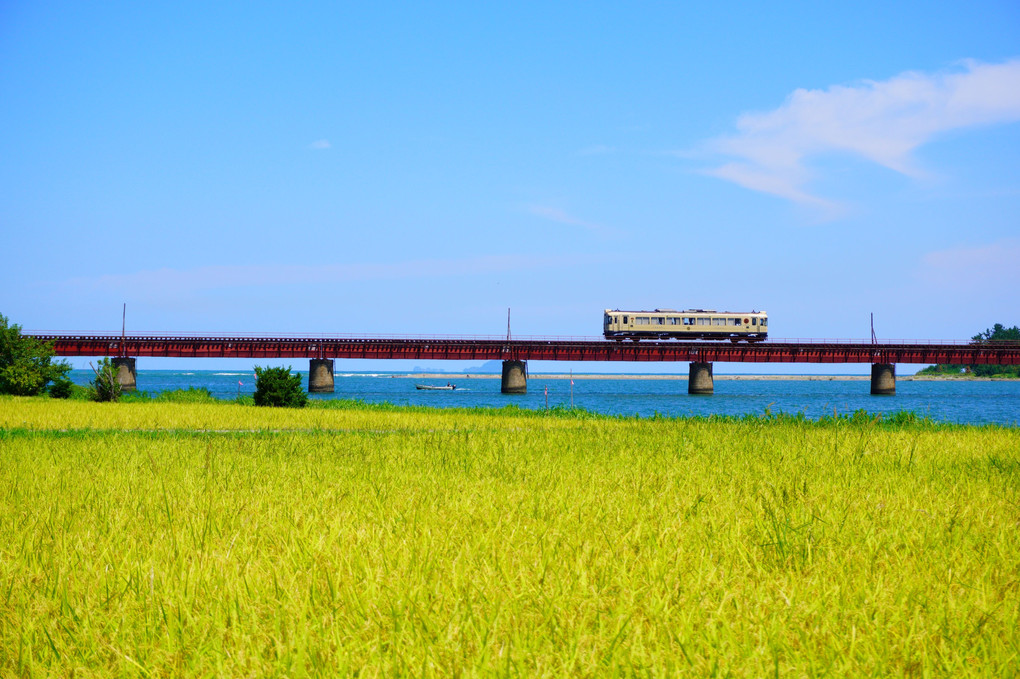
(321, 351)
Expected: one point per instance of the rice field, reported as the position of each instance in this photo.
(155, 539)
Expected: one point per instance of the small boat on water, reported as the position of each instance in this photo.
(433, 387)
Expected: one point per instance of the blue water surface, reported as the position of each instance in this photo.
(959, 401)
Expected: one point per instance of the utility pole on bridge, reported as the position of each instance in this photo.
(515, 371)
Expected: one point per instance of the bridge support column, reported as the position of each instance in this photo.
(127, 378)
(515, 377)
(320, 376)
(699, 380)
(883, 379)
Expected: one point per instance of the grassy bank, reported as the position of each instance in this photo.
(219, 539)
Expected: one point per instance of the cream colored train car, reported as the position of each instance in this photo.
(692, 324)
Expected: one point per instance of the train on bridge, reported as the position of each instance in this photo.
(750, 326)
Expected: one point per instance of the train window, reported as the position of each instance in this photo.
(624, 319)
(641, 320)
(688, 320)
(718, 321)
(659, 320)
(704, 321)
(764, 321)
(734, 321)
(754, 321)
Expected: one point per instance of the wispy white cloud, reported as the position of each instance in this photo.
(596, 150)
(320, 145)
(560, 216)
(992, 266)
(881, 121)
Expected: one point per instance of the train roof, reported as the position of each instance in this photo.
(685, 311)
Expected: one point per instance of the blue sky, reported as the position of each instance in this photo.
(408, 169)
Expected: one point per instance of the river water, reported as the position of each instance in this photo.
(960, 401)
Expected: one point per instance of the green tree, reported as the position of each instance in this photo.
(997, 333)
(26, 364)
(277, 387)
(105, 387)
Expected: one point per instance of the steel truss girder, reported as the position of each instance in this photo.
(545, 350)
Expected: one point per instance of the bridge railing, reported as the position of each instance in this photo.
(883, 341)
(249, 336)
(275, 336)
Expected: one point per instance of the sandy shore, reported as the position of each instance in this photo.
(807, 378)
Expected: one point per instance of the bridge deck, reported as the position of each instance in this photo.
(546, 349)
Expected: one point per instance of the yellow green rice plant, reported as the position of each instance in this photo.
(217, 539)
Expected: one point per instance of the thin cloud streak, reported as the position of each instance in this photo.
(559, 216)
(883, 122)
(597, 150)
(555, 214)
(974, 267)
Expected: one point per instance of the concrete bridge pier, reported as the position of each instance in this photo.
(699, 379)
(127, 378)
(883, 379)
(320, 376)
(515, 377)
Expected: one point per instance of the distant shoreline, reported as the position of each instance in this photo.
(735, 378)
(450, 377)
